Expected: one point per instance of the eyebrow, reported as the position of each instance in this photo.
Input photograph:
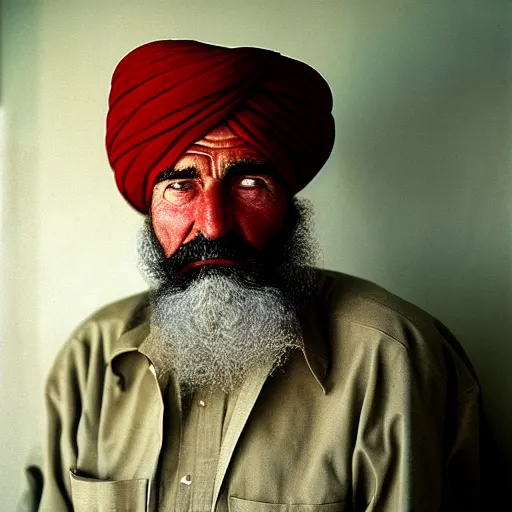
(237, 168)
(170, 173)
(244, 167)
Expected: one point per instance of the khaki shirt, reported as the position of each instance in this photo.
(380, 412)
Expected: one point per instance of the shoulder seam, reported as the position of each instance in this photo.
(397, 341)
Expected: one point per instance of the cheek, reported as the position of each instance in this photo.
(259, 222)
(171, 225)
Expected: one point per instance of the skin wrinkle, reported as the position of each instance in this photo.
(216, 207)
(223, 106)
(237, 168)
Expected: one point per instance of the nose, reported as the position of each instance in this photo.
(214, 216)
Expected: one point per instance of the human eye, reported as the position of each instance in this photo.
(251, 182)
(179, 191)
(179, 186)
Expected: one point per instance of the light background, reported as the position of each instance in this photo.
(416, 196)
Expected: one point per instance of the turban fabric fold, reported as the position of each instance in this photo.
(166, 95)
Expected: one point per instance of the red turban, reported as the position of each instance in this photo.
(166, 95)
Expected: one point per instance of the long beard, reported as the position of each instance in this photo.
(218, 323)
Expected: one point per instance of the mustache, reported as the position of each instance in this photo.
(229, 247)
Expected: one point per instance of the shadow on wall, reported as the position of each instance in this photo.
(426, 123)
(20, 374)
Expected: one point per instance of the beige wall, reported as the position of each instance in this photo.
(416, 196)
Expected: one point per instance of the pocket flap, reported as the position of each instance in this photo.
(241, 505)
(92, 495)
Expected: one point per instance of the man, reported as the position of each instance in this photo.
(247, 380)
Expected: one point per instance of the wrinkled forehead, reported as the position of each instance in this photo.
(218, 149)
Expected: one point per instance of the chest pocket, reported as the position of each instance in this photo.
(91, 495)
(240, 505)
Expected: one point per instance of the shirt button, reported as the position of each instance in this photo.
(187, 480)
(202, 403)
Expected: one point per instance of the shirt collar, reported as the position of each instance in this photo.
(315, 348)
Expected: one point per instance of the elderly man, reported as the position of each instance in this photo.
(248, 380)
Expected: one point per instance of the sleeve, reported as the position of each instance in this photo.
(417, 444)
(63, 396)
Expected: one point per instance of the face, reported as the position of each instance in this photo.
(221, 185)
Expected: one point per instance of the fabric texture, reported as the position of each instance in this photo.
(380, 412)
(89, 495)
(166, 95)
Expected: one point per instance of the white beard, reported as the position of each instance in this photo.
(219, 327)
(217, 330)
